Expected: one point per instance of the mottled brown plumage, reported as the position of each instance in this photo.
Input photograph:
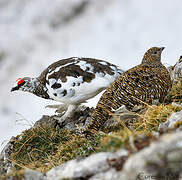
(139, 85)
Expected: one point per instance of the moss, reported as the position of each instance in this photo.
(14, 174)
(113, 142)
(41, 148)
(77, 147)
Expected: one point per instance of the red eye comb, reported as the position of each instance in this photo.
(20, 81)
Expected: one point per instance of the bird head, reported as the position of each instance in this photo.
(153, 55)
(21, 84)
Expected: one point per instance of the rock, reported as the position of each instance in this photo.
(5, 156)
(170, 69)
(161, 160)
(148, 159)
(82, 117)
(123, 115)
(108, 175)
(88, 167)
(45, 120)
(33, 175)
(171, 122)
(79, 118)
(176, 104)
(176, 70)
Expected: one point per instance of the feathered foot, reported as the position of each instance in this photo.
(60, 108)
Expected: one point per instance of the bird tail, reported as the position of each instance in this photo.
(100, 115)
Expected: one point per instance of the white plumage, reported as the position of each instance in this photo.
(71, 81)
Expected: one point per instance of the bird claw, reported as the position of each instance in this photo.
(60, 109)
(56, 106)
(59, 119)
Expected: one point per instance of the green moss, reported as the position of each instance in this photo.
(111, 144)
(116, 140)
(41, 148)
(75, 148)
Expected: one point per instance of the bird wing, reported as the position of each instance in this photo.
(78, 78)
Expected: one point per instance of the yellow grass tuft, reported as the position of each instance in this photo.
(175, 95)
(154, 115)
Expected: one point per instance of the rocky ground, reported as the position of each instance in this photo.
(144, 144)
(34, 34)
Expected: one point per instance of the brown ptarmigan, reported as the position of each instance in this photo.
(70, 81)
(143, 84)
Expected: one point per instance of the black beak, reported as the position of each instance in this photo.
(162, 48)
(14, 89)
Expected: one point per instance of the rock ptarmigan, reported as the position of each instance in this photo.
(70, 81)
(143, 84)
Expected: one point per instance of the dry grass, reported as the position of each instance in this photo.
(150, 120)
(175, 95)
(14, 175)
(42, 148)
(144, 125)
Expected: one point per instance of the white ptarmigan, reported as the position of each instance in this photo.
(70, 81)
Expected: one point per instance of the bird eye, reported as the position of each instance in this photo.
(155, 52)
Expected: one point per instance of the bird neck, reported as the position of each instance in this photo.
(30, 85)
(36, 87)
(151, 61)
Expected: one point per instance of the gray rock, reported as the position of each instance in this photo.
(176, 70)
(33, 175)
(111, 174)
(81, 115)
(170, 69)
(124, 115)
(171, 121)
(5, 157)
(85, 168)
(161, 160)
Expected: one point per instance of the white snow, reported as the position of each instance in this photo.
(33, 34)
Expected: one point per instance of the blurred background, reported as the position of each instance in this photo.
(34, 34)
